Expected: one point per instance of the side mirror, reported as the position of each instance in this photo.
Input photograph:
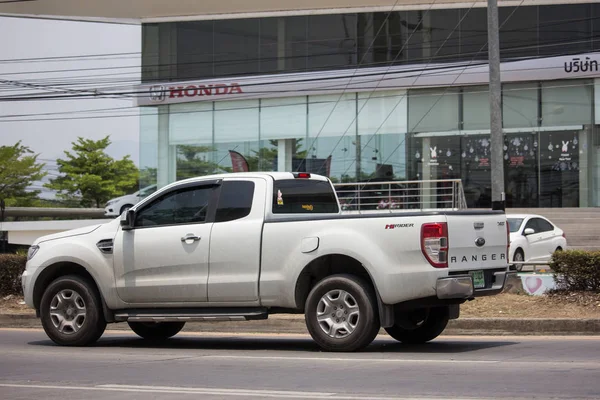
(127, 220)
(528, 231)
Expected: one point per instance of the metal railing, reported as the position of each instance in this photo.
(54, 212)
(402, 195)
(537, 265)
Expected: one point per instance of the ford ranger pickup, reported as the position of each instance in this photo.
(245, 246)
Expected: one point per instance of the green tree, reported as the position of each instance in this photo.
(194, 161)
(92, 177)
(19, 168)
(148, 176)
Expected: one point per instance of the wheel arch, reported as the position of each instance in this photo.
(64, 268)
(332, 264)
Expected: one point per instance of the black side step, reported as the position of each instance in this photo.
(191, 314)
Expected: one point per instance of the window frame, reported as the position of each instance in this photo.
(210, 212)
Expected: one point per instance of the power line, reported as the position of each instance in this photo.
(135, 110)
(246, 60)
(106, 88)
(439, 97)
(105, 56)
(396, 105)
(99, 93)
(375, 75)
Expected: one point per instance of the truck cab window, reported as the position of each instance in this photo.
(303, 196)
(183, 206)
(235, 201)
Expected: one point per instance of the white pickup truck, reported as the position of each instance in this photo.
(244, 246)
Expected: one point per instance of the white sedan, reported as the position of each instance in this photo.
(533, 238)
(117, 206)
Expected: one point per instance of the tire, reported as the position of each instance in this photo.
(156, 330)
(71, 311)
(125, 208)
(519, 256)
(355, 322)
(433, 324)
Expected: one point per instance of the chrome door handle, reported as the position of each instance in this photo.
(190, 236)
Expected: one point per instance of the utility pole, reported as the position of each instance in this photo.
(497, 137)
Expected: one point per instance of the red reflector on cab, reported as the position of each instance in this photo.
(303, 175)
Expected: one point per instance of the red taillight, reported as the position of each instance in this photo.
(303, 175)
(434, 243)
(507, 239)
(563, 235)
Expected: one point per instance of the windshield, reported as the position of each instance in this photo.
(514, 224)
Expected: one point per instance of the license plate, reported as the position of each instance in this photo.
(478, 279)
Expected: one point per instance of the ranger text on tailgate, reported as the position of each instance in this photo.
(244, 246)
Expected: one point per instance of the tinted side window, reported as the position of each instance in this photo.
(533, 224)
(301, 196)
(235, 201)
(545, 226)
(183, 206)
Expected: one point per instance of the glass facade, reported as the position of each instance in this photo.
(549, 147)
(552, 140)
(349, 127)
(236, 47)
(550, 151)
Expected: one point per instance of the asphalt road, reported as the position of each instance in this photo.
(193, 366)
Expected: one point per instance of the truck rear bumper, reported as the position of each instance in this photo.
(455, 287)
(461, 286)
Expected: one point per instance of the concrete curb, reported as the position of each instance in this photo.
(295, 324)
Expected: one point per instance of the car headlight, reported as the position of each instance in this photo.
(110, 202)
(31, 252)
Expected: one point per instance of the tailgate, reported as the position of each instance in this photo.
(477, 241)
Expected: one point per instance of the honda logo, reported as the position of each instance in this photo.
(157, 93)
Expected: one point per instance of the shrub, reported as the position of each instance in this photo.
(576, 270)
(11, 268)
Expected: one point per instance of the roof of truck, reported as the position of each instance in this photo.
(274, 175)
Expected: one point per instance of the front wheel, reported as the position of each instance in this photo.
(341, 313)
(71, 312)
(519, 257)
(420, 326)
(156, 330)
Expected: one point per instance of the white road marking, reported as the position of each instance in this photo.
(337, 359)
(226, 392)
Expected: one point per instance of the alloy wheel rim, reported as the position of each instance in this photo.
(338, 314)
(68, 311)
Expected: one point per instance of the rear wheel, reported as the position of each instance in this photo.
(420, 326)
(341, 313)
(71, 312)
(156, 330)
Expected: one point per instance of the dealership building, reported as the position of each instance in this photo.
(369, 90)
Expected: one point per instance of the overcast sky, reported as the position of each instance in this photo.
(37, 38)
